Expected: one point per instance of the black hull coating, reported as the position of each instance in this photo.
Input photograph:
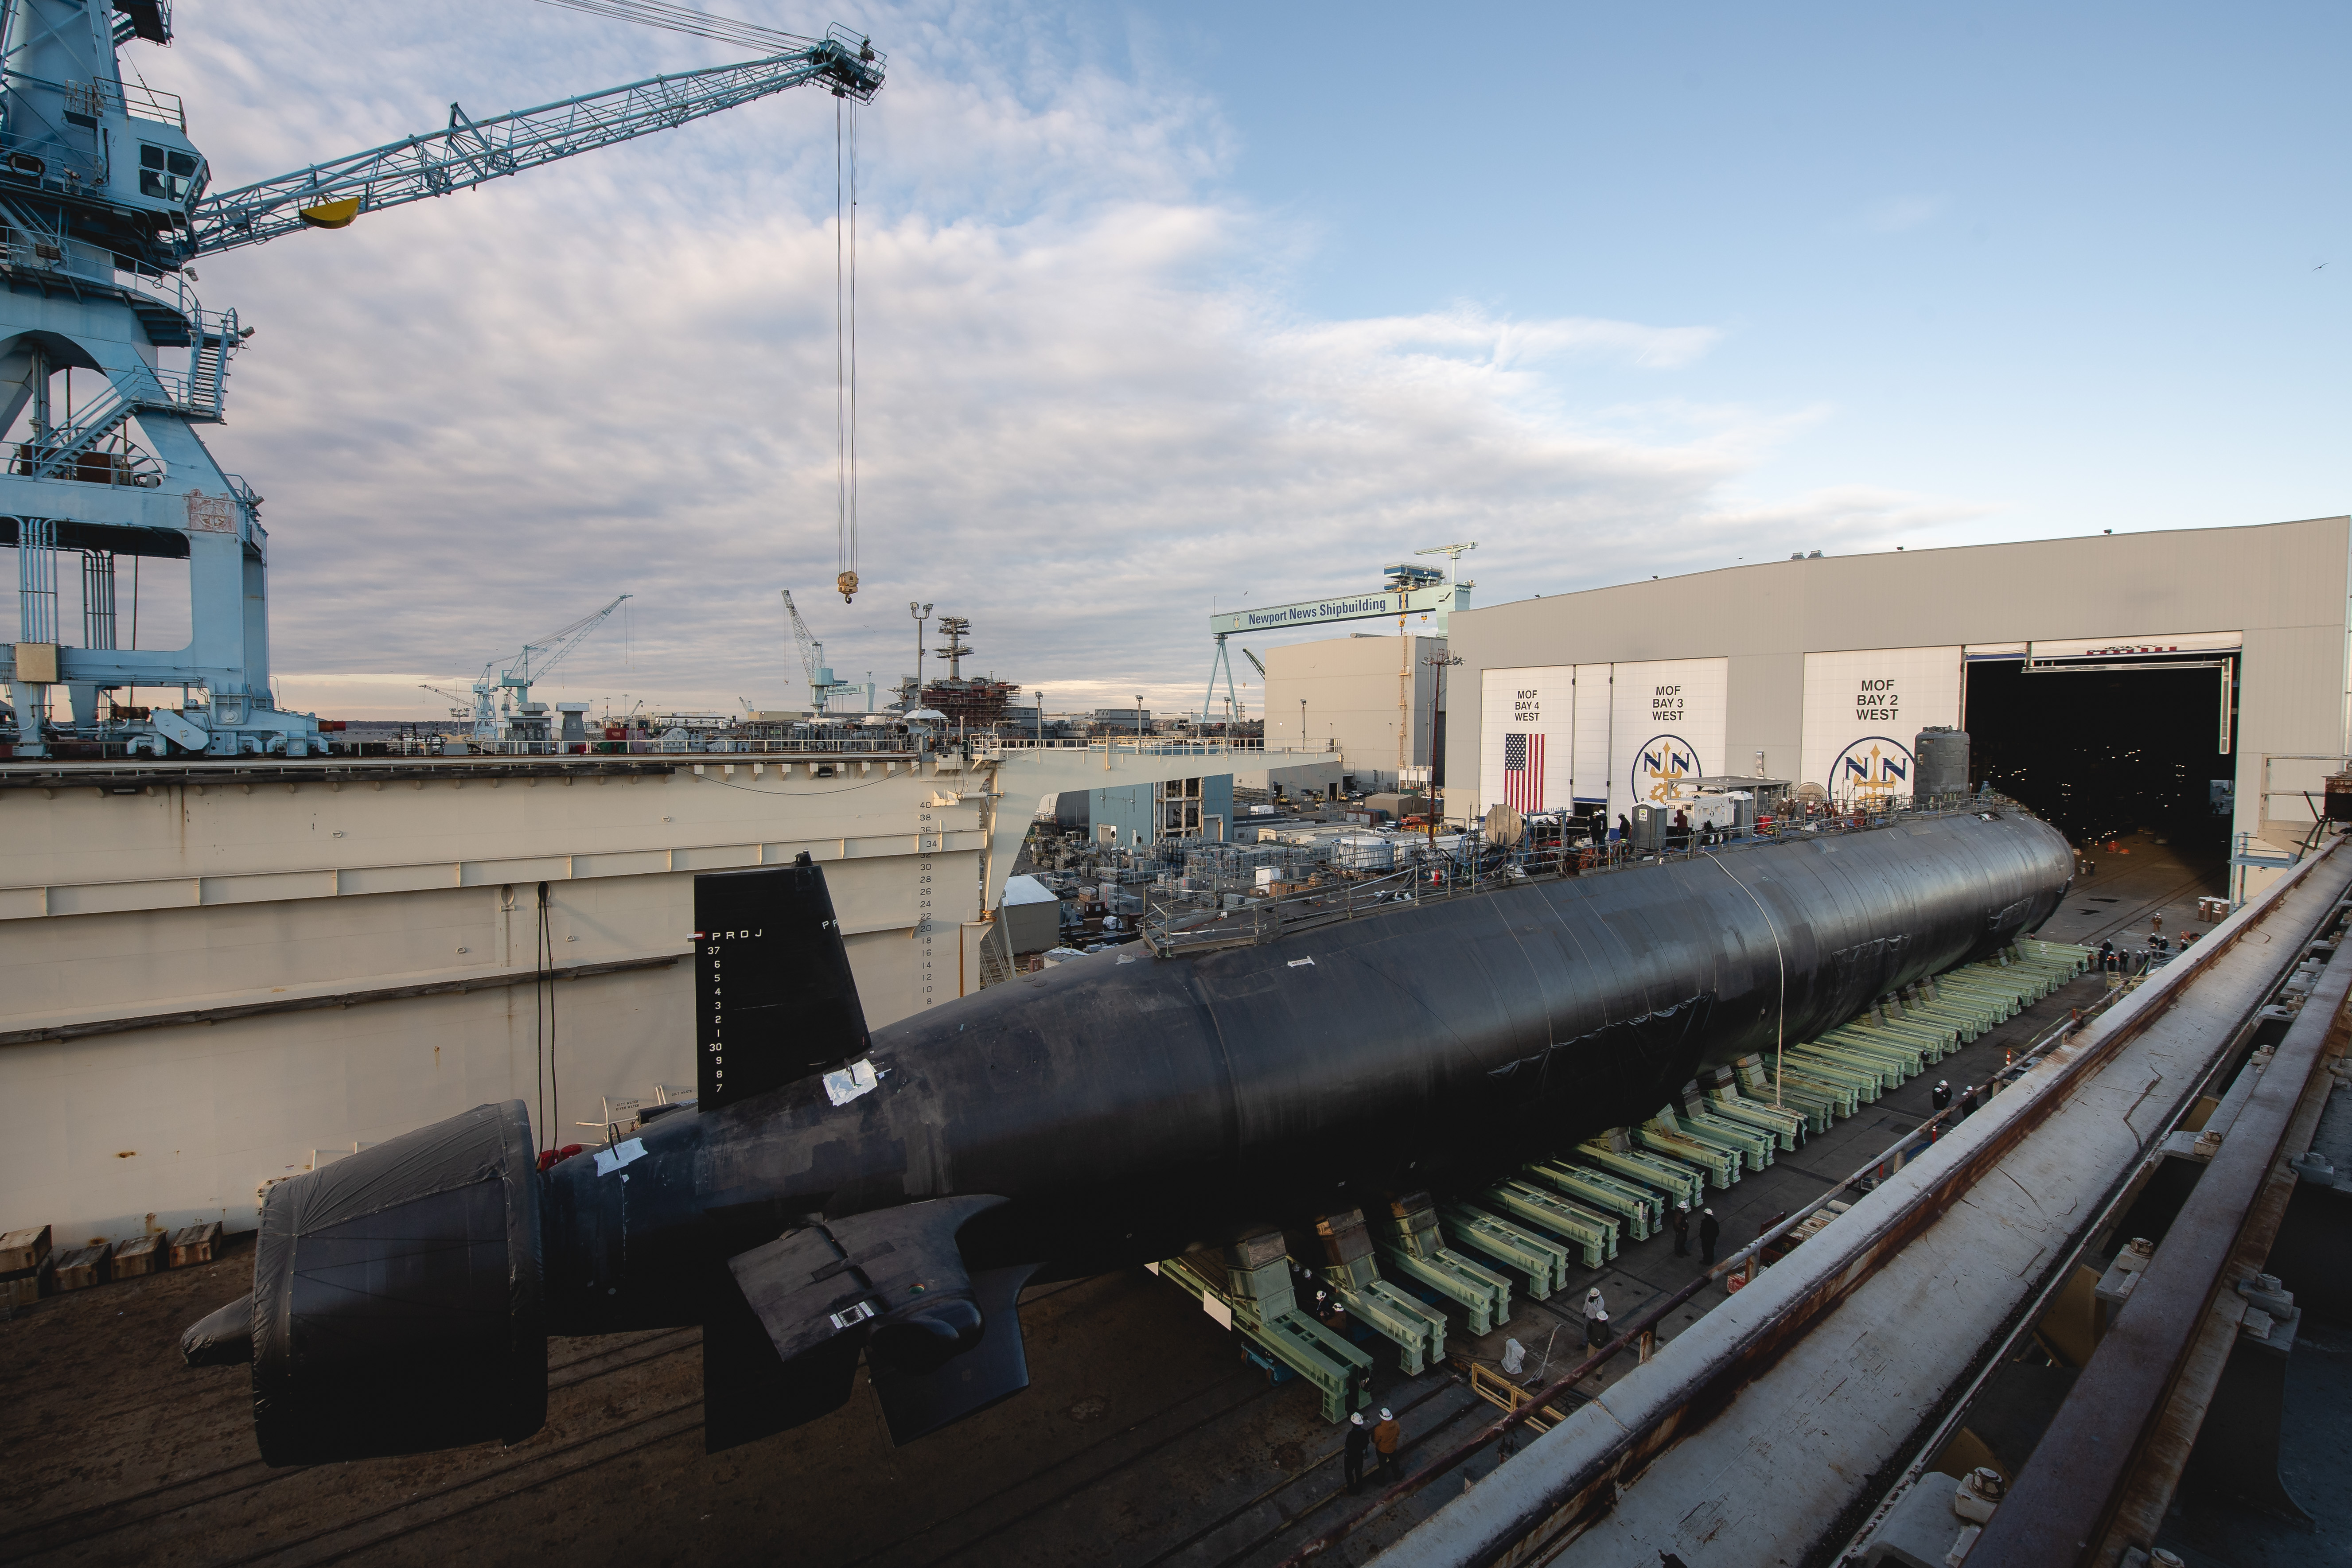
(1130, 1106)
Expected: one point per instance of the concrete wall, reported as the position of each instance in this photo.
(1590, 672)
(1350, 686)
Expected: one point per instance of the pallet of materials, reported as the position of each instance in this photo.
(85, 1267)
(195, 1244)
(142, 1255)
(24, 1270)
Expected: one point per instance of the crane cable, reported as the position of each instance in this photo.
(684, 19)
(726, 29)
(845, 353)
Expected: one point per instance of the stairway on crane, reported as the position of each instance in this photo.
(166, 326)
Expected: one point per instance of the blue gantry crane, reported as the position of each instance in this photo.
(104, 200)
(502, 708)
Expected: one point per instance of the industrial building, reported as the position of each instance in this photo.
(1373, 700)
(2193, 682)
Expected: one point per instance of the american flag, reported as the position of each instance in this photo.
(1523, 764)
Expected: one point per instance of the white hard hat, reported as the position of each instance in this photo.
(1384, 1414)
(1357, 1416)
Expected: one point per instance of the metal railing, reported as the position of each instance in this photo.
(1149, 746)
(1464, 863)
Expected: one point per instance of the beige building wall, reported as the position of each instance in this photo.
(2281, 586)
(1351, 685)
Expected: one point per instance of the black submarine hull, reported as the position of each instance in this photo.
(1127, 1107)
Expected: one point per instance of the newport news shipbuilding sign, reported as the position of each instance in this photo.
(1439, 602)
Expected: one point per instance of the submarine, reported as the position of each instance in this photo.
(837, 1195)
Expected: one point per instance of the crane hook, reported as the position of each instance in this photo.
(848, 583)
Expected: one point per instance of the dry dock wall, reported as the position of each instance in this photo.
(212, 985)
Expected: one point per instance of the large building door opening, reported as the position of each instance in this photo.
(2104, 752)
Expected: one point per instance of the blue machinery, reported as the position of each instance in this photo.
(102, 206)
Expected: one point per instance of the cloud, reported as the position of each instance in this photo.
(1897, 215)
(1087, 405)
(1839, 518)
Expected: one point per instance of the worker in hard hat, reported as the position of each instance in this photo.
(1942, 1094)
(1681, 1222)
(1710, 1231)
(1385, 1437)
(1360, 1438)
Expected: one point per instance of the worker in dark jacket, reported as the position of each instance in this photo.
(1682, 1230)
(1942, 1094)
(1356, 1449)
(1968, 1102)
(1710, 1230)
(1384, 1442)
(1360, 1438)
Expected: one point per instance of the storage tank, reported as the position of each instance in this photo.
(1942, 753)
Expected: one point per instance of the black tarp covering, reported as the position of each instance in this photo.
(397, 1297)
(223, 1336)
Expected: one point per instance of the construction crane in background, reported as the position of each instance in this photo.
(536, 662)
(104, 202)
(500, 693)
(820, 684)
(460, 708)
(1256, 663)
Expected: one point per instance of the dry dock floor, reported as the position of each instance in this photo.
(1144, 1439)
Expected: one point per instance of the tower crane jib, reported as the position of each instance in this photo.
(469, 151)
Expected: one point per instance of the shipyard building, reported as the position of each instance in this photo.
(2191, 682)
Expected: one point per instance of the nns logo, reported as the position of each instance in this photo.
(1662, 768)
(1872, 770)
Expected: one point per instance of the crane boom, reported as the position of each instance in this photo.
(469, 151)
(808, 644)
(556, 646)
(820, 684)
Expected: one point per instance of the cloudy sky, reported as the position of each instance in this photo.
(1163, 304)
